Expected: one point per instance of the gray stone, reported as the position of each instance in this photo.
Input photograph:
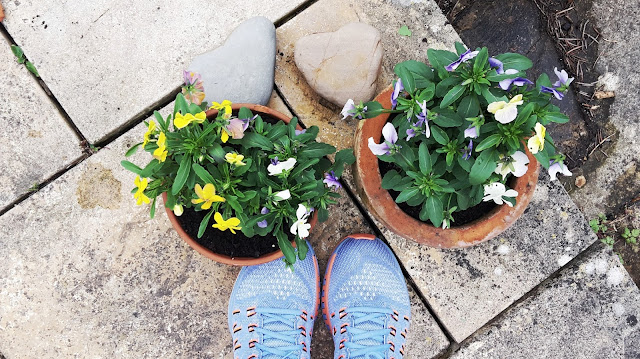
(242, 69)
(36, 140)
(590, 311)
(613, 179)
(430, 29)
(108, 61)
(341, 65)
(467, 287)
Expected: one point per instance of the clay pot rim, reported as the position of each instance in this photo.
(369, 184)
(236, 261)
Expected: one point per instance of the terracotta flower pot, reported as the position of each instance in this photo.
(381, 204)
(238, 261)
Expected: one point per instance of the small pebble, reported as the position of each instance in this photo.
(580, 181)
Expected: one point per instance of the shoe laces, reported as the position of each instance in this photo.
(279, 333)
(367, 332)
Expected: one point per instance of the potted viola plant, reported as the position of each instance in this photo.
(448, 155)
(239, 181)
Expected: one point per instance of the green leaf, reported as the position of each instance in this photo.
(543, 80)
(150, 168)
(434, 210)
(408, 81)
(254, 139)
(131, 167)
(439, 135)
(488, 142)
(445, 85)
(180, 105)
(31, 67)
(202, 173)
(245, 113)
(466, 164)
(515, 61)
(204, 223)
(469, 106)
(480, 62)
(422, 73)
(452, 96)
(232, 201)
(483, 167)
(301, 244)
(404, 31)
(462, 198)
(163, 124)
(391, 179)
(181, 175)
(374, 109)
(491, 97)
(439, 59)
(133, 150)
(543, 158)
(460, 48)
(152, 210)
(323, 214)
(286, 248)
(407, 194)
(317, 149)
(525, 113)
(424, 158)
(556, 117)
(18, 52)
(447, 118)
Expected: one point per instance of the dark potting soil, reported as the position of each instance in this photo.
(460, 218)
(225, 242)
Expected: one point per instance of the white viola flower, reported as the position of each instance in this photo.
(556, 168)
(276, 167)
(506, 112)
(495, 191)
(349, 109)
(282, 195)
(471, 132)
(516, 164)
(301, 227)
(388, 145)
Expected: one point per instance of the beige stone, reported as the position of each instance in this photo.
(341, 65)
(35, 140)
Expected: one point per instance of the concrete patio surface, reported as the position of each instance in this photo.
(84, 272)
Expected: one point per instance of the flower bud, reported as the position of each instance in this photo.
(178, 210)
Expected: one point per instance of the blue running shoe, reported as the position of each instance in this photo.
(365, 302)
(272, 309)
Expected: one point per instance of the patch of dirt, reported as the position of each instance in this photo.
(98, 187)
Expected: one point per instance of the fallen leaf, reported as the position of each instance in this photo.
(404, 31)
(604, 94)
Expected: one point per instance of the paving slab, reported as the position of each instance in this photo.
(616, 180)
(36, 140)
(424, 18)
(590, 310)
(88, 274)
(107, 60)
(467, 287)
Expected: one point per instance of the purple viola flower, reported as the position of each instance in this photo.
(559, 95)
(331, 180)
(397, 88)
(563, 78)
(556, 168)
(390, 138)
(518, 81)
(299, 132)
(423, 118)
(411, 133)
(467, 150)
(497, 64)
(263, 223)
(471, 132)
(466, 56)
(274, 161)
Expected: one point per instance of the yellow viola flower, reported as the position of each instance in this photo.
(206, 195)
(183, 120)
(536, 143)
(225, 105)
(224, 136)
(150, 130)
(505, 112)
(234, 159)
(139, 195)
(231, 224)
(161, 152)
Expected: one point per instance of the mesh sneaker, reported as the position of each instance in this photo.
(271, 309)
(365, 302)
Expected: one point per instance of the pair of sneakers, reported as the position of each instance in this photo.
(365, 304)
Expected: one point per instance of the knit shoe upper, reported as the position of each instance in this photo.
(365, 300)
(272, 309)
